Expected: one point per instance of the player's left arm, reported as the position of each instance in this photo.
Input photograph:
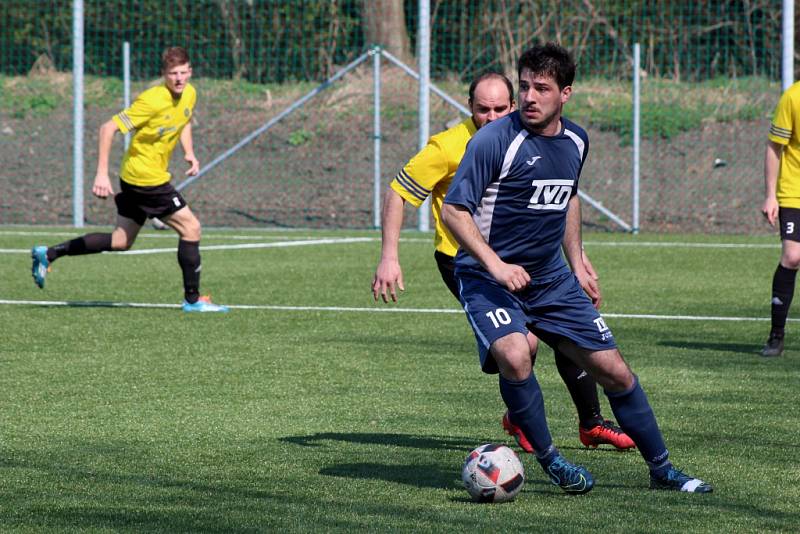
(576, 256)
(187, 143)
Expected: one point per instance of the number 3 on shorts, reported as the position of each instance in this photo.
(498, 317)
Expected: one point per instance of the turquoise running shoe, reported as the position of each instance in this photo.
(675, 480)
(573, 479)
(40, 266)
(203, 305)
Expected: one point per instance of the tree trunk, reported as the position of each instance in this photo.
(232, 29)
(385, 25)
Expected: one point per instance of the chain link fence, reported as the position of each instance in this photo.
(710, 79)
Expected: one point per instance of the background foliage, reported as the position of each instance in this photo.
(272, 40)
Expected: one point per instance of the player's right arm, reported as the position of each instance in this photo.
(772, 162)
(459, 221)
(102, 183)
(413, 184)
(389, 275)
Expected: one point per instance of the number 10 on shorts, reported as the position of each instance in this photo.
(498, 317)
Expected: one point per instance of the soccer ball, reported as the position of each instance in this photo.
(493, 473)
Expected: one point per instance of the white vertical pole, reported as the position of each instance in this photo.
(77, 112)
(424, 60)
(636, 137)
(787, 55)
(126, 83)
(376, 121)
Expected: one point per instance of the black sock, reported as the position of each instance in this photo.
(86, 244)
(189, 260)
(583, 390)
(782, 292)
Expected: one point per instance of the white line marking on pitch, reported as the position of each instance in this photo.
(108, 304)
(277, 244)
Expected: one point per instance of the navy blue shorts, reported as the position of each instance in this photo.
(553, 309)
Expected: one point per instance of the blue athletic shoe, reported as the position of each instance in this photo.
(204, 304)
(40, 265)
(675, 480)
(573, 479)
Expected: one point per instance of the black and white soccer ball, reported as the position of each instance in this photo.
(493, 473)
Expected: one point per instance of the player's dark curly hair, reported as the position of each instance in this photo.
(486, 76)
(550, 59)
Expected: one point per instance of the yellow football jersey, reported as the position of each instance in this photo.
(430, 172)
(785, 130)
(158, 121)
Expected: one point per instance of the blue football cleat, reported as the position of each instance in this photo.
(675, 480)
(40, 266)
(203, 305)
(573, 479)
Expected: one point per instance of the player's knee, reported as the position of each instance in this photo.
(620, 379)
(191, 231)
(121, 241)
(791, 259)
(513, 360)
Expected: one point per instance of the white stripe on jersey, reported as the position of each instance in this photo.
(483, 215)
(578, 141)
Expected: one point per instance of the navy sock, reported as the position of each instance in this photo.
(189, 260)
(526, 410)
(635, 416)
(782, 292)
(86, 244)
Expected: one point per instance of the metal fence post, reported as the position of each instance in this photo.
(126, 83)
(77, 112)
(787, 38)
(636, 138)
(424, 60)
(376, 143)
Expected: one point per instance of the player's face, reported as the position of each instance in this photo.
(177, 77)
(491, 102)
(541, 101)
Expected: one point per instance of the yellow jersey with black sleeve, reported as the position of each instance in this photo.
(158, 120)
(430, 172)
(785, 130)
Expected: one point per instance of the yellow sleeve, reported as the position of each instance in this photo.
(135, 116)
(783, 123)
(421, 174)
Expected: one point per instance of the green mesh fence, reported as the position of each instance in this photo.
(710, 79)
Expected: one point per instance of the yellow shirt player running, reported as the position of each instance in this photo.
(782, 204)
(159, 118)
(428, 174)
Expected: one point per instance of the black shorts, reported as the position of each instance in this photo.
(447, 268)
(790, 223)
(138, 203)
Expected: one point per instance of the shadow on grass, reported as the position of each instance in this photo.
(737, 348)
(418, 475)
(396, 440)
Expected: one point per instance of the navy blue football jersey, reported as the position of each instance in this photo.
(517, 186)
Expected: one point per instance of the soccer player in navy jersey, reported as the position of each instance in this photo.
(510, 205)
(428, 175)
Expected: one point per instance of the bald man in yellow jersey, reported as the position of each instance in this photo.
(782, 204)
(429, 173)
(159, 118)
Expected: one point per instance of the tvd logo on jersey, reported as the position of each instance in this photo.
(550, 194)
